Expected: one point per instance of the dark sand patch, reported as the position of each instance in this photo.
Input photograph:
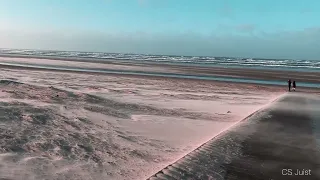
(279, 137)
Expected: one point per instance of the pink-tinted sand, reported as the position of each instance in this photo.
(146, 123)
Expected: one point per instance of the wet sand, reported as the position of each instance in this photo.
(278, 142)
(129, 66)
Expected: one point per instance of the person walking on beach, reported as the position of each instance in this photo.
(294, 85)
(289, 84)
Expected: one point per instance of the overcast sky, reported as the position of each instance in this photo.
(246, 28)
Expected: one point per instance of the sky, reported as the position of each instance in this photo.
(238, 28)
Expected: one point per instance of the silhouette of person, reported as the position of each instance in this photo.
(294, 85)
(289, 84)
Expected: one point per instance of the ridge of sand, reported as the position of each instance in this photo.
(223, 131)
(279, 137)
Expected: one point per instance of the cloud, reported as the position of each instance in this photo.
(294, 44)
(309, 8)
(141, 1)
(226, 11)
(246, 28)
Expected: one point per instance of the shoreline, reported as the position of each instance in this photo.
(230, 71)
(147, 63)
(218, 78)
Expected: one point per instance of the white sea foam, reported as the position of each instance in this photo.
(275, 63)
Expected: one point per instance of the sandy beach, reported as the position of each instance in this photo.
(280, 141)
(67, 125)
(159, 90)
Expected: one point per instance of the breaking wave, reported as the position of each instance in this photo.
(199, 60)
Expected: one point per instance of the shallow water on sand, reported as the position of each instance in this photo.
(199, 77)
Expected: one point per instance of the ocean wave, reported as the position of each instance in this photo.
(207, 60)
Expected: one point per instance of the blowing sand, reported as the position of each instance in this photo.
(279, 141)
(56, 125)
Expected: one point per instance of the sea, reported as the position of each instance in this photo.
(247, 62)
(207, 61)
